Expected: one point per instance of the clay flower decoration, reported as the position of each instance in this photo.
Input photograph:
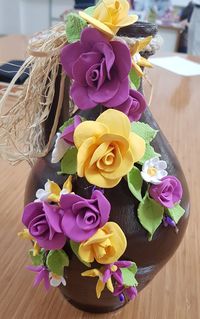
(106, 246)
(26, 235)
(109, 16)
(154, 170)
(44, 224)
(83, 217)
(130, 292)
(100, 283)
(99, 69)
(56, 280)
(52, 191)
(137, 60)
(42, 274)
(168, 193)
(134, 106)
(64, 140)
(107, 149)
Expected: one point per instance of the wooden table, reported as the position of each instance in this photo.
(175, 292)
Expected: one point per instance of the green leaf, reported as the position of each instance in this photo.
(69, 161)
(176, 213)
(39, 259)
(144, 130)
(66, 124)
(135, 182)
(135, 79)
(74, 26)
(56, 261)
(75, 247)
(128, 277)
(90, 10)
(150, 214)
(133, 268)
(149, 153)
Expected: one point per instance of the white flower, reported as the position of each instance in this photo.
(59, 150)
(56, 280)
(43, 194)
(153, 170)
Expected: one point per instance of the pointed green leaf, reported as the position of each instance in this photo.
(75, 247)
(39, 259)
(144, 130)
(69, 161)
(149, 153)
(128, 277)
(135, 182)
(176, 213)
(133, 268)
(135, 79)
(74, 26)
(150, 214)
(56, 261)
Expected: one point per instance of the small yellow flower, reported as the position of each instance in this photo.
(106, 246)
(100, 284)
(137, 60)
(107, 149)
(109, 16)
(52, 191)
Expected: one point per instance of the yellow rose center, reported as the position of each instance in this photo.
(152, 171)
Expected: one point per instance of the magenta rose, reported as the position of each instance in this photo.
(82, 217)
(99, 68)
(44, 224)
(68, 133)
(134, 106)
(168, 192)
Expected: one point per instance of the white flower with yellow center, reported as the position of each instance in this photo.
(52, 191)
(56, 280)
(154, 170)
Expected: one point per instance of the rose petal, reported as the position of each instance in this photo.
(68, 59)
(122, 59)
(81, 97)
(120, 96)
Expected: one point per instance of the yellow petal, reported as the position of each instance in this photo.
(98, 237)
(99, 288)
(144, 42)
(99, 152)
(85, 151)
(127, 21)
(87, 130)
(137, 147)
(145, 63)
(138, 69)
(91, 273)
(68, 184)
(36, 249)
(86, 253)
(97, 24)
(109, 285)
(94, 176)
(54, 188)
(117, 122)
(54, 198)
(25, 234)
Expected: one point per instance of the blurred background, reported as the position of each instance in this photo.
(29, 16)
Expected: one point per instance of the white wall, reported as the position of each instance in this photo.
(9, 16)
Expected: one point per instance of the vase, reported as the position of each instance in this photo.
(150, 256)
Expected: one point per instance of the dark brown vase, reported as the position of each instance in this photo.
(149, 256)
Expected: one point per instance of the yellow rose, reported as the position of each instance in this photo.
(106, 246)
(109, 16)
(107, 149)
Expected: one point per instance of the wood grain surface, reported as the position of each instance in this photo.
(175, 291)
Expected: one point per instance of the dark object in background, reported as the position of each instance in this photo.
(186, 14)
(10, 69)
(81, 4)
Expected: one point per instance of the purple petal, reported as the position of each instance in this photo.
(106, 275)
(68, 200)
(82, 65)
(53, 217)
(89, 37)
(68, 58)
(58, 241)
(31, 211)
(108, 53)
(122, 58)
(68, 134)
(131, 292)
(35, 268)
(118, 276)
(120, 96)
(118, 290)
(104, 206)
(123, 263)
(81, 97)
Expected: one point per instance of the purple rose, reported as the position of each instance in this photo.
(168, 192)
(134, 106)
(43, 222)
(82, 217)
(68, 133)
(99, 69)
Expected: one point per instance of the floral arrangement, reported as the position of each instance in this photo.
(103, 71)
